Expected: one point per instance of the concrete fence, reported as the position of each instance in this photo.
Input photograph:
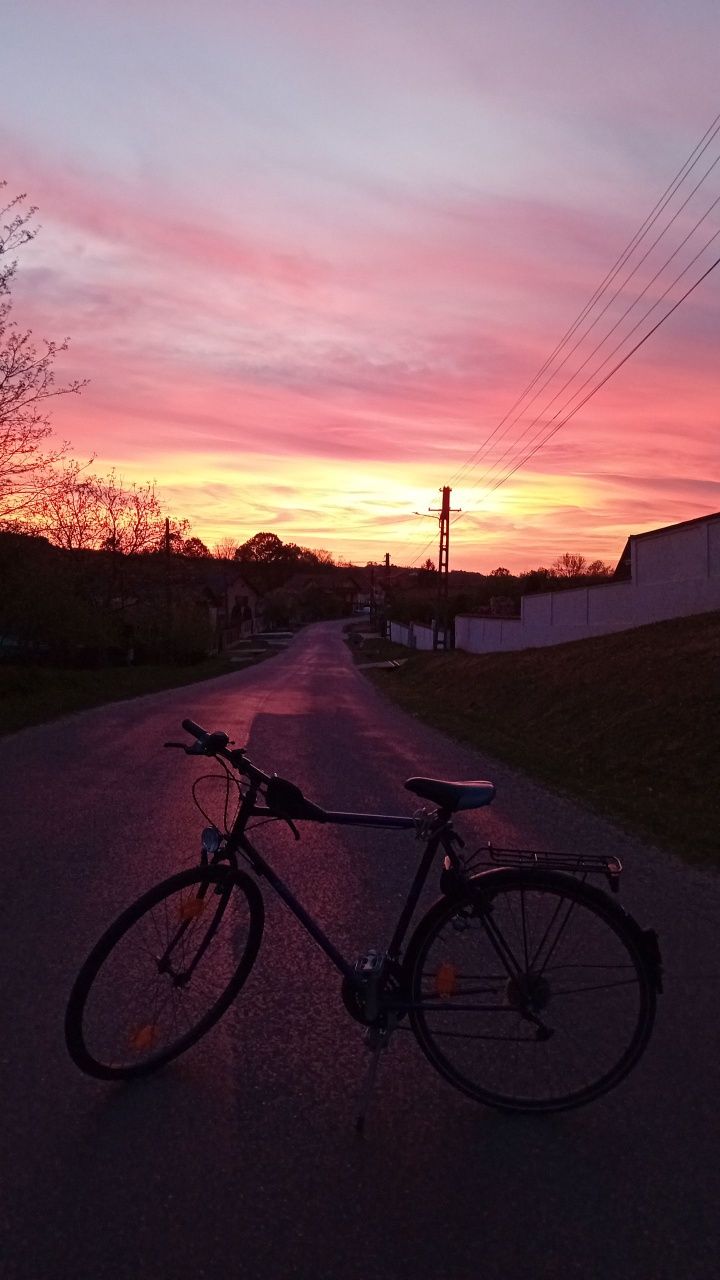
(402, 634)
(415, 635)
(674, 572)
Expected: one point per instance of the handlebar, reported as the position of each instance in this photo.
(282, 797)
(216, 744)
(191, 727)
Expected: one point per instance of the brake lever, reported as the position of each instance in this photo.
(196, 749)
(176, 744)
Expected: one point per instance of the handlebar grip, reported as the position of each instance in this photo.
(191, 727)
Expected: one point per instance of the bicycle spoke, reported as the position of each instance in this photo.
(600, 986)
(167, 975)
(568, 971)
(477, 1035)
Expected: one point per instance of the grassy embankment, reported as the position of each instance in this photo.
(31, 695)
(628, 723)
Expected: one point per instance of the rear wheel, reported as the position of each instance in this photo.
(164, 972)
(532, 992)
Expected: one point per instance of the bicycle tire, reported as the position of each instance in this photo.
(136, 983)
(575, 1049)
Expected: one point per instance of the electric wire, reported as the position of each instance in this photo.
(541, 437)
(475, 458)
(672, 188)
(601, 313)
(511, 447)
(531, 452)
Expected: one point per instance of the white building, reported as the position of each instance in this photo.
(665, 573)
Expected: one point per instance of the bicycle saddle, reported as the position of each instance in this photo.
(452, 795)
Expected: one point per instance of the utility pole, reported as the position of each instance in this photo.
(441, 624)
(168, 609)
(386, 576)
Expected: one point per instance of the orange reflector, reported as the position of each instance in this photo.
(192, 909)
(446, 980)
(143, 1037)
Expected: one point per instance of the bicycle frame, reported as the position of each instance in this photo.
(500, 973)
(440, 836)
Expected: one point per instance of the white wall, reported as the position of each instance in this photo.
(402, 634)
(675, 573)
(415, 636)
(668, 556)
(487, 635)
(423, 636)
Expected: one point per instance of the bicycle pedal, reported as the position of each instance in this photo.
(370, 963)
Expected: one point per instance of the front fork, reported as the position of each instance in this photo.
(212, 853)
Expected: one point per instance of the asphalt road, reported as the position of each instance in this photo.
(240, 1159)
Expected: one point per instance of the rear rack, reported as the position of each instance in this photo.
(580, 864)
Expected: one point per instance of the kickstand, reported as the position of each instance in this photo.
(376, 1042)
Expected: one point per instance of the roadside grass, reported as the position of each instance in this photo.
(628, 723)
(32, 695)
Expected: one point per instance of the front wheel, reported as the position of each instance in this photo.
(532, 992)
(164, 972)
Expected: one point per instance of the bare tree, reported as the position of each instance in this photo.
(14, 233)
(81, 511)
(569, 566)
(27, 380)
(225, 549)
(574, 566)
(323, 557)
(68, 511)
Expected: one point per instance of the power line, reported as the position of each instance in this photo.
(615, 349)
(672, 189)
(700, 148)
(608, 304)
(531, 453)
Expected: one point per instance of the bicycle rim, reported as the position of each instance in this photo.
(164, 973)
(531, 994)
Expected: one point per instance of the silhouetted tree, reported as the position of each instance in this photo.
(263, 548)
(323, 557)
(540, 579)
(81, 511)
(226, 549)
(27, 380)
(569, 566)
(194, 548)
(575, 566)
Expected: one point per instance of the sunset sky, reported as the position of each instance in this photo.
(309, 254)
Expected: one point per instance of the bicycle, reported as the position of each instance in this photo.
(526, 987)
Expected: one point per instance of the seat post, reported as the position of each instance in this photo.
(416, 888)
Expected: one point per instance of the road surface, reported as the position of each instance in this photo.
(240, 1159)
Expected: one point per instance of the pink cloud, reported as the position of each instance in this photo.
(395, 343)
